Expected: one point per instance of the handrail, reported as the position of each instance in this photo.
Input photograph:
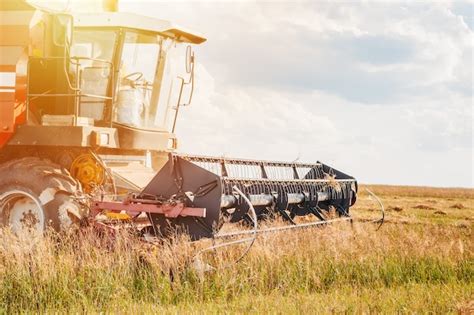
(76, 62)
(65, 95)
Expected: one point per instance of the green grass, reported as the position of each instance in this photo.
(413, 298)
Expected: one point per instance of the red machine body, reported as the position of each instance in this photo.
(15, 39)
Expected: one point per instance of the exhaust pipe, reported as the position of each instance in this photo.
(110, 5)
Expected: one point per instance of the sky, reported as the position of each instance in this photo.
(381, 90)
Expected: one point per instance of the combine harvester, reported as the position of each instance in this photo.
(88, 110)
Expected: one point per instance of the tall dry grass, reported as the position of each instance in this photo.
(90, 273)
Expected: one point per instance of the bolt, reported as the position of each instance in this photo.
(5, 128)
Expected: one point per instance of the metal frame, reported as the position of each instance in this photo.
(138, 22)
(134, 206)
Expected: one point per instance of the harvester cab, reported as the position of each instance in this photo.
(99, 95)
(130, 72)
(109, 81)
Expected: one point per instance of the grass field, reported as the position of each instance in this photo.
(421, 260)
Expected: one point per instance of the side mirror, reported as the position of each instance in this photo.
(189, 59)
(62, 29)
(190, 70)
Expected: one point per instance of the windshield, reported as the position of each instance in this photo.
(149, 81)
(136, 105)
(140, 54)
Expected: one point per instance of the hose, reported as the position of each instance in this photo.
(251, 240)
(382, 209)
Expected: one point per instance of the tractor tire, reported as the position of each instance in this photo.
(36, 195)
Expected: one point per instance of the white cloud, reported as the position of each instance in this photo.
(381, 90)
(253, 122)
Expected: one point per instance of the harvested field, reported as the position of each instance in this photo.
(419, 261)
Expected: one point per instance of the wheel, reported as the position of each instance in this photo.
(36, 194)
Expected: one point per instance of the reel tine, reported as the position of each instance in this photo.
(316, 212)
